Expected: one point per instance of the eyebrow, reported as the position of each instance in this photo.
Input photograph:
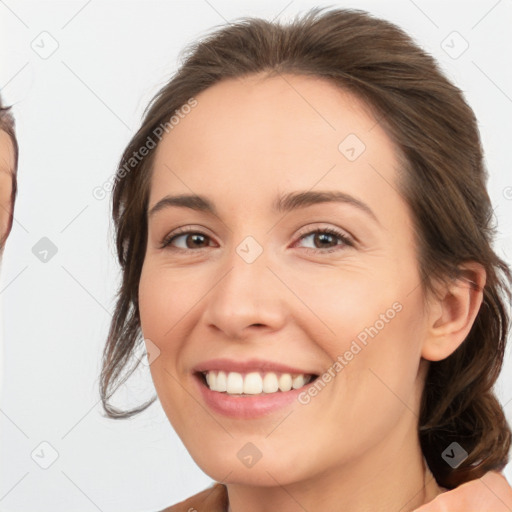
(284, 203)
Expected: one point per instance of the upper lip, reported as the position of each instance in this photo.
(251, 365)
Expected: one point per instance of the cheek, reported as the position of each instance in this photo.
(5, 200)
(163, 308)
(165, 298)
(163, 304)
(379, 380)
(348, 304)
(153, 303)
(371, 325)
(169, 302)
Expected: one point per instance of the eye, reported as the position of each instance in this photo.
(193, 239)
(329, 236)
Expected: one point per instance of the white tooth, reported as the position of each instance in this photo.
(220, 382)
(253, 384)
(298, 381)
(270, 384)
(235, 383)
(285, 382)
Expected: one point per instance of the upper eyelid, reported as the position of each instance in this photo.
(305, 231)
(312, 229)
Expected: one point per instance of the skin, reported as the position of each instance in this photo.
(7, 163)
(491, 493)
(247, 141)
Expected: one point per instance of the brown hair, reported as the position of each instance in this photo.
(7, 125)
(443, 181)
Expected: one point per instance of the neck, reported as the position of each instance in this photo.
(389, 477)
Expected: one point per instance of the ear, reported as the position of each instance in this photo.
(452, 312)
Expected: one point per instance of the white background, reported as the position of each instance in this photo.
(76, 110)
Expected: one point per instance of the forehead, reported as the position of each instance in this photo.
(289, 131)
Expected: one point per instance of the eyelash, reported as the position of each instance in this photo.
(346, 240)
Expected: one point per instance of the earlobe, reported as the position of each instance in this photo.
(452, 313)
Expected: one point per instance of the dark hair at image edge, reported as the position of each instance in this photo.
(442, 178)
(7, 125)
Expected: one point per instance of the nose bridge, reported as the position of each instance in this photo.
(246, 294)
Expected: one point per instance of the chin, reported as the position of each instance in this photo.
(240, 461)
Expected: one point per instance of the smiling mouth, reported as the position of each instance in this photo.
(253, 383)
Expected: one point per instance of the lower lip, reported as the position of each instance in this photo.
(246, 406)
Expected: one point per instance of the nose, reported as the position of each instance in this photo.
(247, 298)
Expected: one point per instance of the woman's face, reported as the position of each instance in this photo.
(255, 289)
(6, 176)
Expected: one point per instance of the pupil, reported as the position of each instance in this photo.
(195, 238)
(323, 236)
